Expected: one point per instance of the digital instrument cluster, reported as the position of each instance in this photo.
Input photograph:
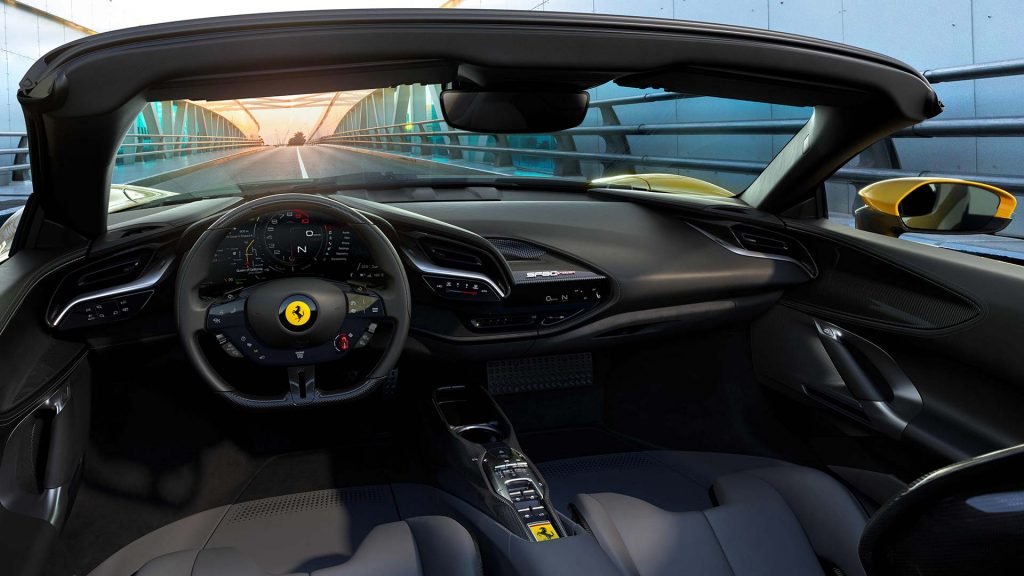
(290, 242)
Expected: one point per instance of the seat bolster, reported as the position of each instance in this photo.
(831, 517)
(424, 546)
(227, 562)
(601, 525)
(768, 521)
(758, 531)
(388, 550)
(645, 540)
(207, 562)
(445, 548)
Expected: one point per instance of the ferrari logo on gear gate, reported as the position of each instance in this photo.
(297, 312)
(543, 531)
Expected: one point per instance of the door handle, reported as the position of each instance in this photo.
(874, 379)
(858, 370)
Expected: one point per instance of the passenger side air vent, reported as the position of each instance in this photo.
(757, 240)
(452, 255)
(769, 242)
(517, 250)
(117, 270)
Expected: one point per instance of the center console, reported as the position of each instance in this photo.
(486, 466)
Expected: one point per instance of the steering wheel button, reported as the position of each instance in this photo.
(364, 305)
(341, 343)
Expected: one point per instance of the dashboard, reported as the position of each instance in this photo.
(530, 272)
(289, 242)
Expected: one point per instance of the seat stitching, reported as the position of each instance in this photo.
(415, 545)
(672, 468)
(718, 541)
(209, 537)
(628, 560)
(227, 509)
(678, 470)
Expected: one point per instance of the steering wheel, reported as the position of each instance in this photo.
(294, 322)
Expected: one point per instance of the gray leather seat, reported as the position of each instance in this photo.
(661, 513)
(324, 533)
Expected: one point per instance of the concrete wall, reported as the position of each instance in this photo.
(27, 35)
(925, 33)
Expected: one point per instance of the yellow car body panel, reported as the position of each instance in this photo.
(669, 183)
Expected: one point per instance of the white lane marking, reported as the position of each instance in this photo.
(302, 167)
(389, 155)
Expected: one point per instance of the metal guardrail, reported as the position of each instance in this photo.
(166, 146)
(976, 71)
(417, 140)
(20, 166)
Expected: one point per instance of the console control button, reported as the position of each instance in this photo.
(461, 289)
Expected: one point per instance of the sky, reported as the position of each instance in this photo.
(152, 11)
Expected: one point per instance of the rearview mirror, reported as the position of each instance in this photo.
(934, 206)
(513, 112)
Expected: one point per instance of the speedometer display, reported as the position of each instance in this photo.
(290, 242)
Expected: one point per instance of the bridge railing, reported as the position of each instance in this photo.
(18, 155)
(433, 138)
(162, 130)
(136, 146)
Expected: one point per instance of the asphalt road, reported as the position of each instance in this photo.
(293, 162)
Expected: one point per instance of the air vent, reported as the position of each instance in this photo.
(138, 230)
(452, 255)
(769, 242)
(517, 250)
(117, 270)
(757, 240)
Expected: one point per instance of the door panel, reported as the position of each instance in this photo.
(916, 343)
(44, 413)
(39, 468)
(839, 369)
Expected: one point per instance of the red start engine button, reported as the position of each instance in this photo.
(341, 342)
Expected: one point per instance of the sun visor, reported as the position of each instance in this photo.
(303, 80)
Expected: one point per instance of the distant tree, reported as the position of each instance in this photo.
(298, 140)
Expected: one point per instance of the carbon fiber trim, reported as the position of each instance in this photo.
(517, 249)
(861, 287)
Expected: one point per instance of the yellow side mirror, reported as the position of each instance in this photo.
(934, 206)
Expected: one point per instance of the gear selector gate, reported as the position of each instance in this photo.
(503, 480)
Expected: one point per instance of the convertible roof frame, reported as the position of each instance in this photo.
(80, 99)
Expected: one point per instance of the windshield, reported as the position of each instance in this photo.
(396, 136)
